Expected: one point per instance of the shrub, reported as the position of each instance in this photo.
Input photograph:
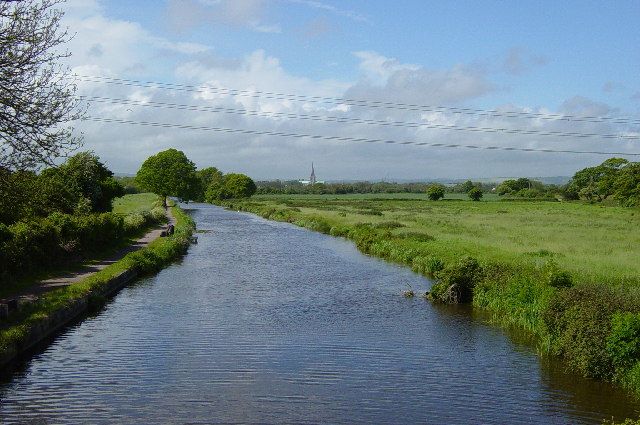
(475, 194)
(623, 343)
(435, 192)
(455, 283)
(579, 321)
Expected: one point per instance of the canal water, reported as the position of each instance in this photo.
(264, 322)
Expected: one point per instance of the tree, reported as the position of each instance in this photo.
(239, 185)
(467, 186)
(90, 179)
(234, 185)
(596, 183)
(475, 194)
(206, 176)
(627, 185)
(169, 173)
(435, 192)
(37, 98)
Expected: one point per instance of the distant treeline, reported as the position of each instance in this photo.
(615, 180)
(294, 187)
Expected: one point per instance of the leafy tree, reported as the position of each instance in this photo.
(206, 176)
(627, 185)
(37, 98)
(89, 178)
(239, 185)
(435, 192)
(475, 194)
(596, 183)
(234, 185)
(169, 173)
(467, 186)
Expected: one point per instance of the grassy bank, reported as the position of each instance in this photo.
(147, 260)
(566, 272)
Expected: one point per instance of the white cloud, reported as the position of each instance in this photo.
(117, 48)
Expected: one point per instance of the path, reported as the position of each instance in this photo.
(32, 293)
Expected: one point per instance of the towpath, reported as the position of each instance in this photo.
(32, 293)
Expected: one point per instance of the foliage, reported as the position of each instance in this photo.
(169, 173)
(38, 99)
(207, 177)
(475, 194)
(435, 192)
(615, 177)
(232, 186)
(623, 343)
(456, 282)
(82, 184)
(40, 244)
(626, 187)
(579, 321)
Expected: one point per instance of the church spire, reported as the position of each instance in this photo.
(312, 179)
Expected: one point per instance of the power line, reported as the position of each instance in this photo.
(357, 102)
(405, 124)
(344, 139)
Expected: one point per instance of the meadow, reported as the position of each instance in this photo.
(567, 272)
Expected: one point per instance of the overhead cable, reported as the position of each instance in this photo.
(356, 102)
(346, 139)
(337, 119)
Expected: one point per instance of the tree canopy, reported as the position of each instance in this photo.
(435, 192)
(82, 184)
(475, 194)
(169, 173)
(37, 98)
(233, 185)
(615, 178)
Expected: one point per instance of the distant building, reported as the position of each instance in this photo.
(312, 178)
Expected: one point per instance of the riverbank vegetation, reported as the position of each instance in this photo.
(15, 330)
(62, 216)
(565, 271)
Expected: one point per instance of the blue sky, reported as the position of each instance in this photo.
(550, 57)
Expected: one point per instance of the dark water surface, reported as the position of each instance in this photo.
(265, 322)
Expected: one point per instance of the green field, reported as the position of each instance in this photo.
(421, 196)
(597, 244)
(135, 203)
(568, 272)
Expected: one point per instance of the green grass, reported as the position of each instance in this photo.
(560, 270)
(356, 196)
(596, 244)
(137, 202)
(147, 260)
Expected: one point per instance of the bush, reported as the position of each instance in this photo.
(455, 283)
(475, 194)
(623, 343)
(579, 321)
(435, 192)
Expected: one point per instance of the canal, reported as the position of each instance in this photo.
(264, 322)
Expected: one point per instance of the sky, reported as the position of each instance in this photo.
(451, 61)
